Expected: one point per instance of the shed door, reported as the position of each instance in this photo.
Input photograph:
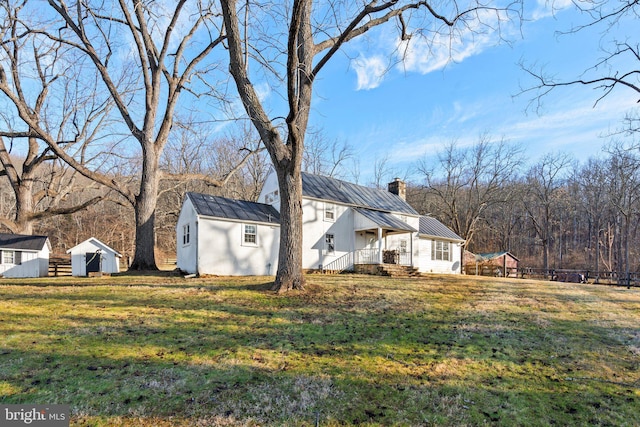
(93, 262)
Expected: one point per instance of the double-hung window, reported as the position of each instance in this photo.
(329, 244)
(440, 251)
(8, 257)
(250, 235)
(186, 234)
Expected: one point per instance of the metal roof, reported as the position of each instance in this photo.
(22, 242)
(492, 255)
(326, 188)
(432, 227)
(222, 207)
(385, 220)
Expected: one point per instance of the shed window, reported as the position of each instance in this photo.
(250, 235)
(8, 257)
(329, 212)
(440, 251)
(186, 237)
(330, 243)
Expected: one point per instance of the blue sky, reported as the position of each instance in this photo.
(415, 108)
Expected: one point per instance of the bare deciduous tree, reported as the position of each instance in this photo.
(324, 157)
(619, 67)
(545, 181)
(467, 182)
(311, 35)
(30, 71)
(624, 195)
(146, 55)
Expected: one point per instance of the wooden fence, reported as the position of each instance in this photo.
(562, 275)
(59, 265)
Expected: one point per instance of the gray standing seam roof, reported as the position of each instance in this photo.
(22, 242)
(222, 207)
(385, 220)
(432, 227)
(325, 188)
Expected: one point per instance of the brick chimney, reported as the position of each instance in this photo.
(399, 188)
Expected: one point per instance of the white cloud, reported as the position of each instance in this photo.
(370, 71)
(430, 49)
(545, 8)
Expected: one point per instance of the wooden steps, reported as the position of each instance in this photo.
(395, 270)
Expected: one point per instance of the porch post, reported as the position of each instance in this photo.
(411, 247)
(379, 245)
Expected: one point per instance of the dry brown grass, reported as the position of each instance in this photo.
(350, 350)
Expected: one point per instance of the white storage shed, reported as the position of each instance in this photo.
(227, 237)
(24, 256)
(93, 256)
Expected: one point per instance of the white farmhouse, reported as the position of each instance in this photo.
(222, 236)
(24, 256)
(93, 256)
(346, 227)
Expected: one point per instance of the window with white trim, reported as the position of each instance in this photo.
(403, 246)
(186, 234)
(329, 212)
(250, 235)
(329, 244)
(8, 257)
(440, 251)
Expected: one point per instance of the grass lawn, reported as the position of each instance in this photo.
(442, 350)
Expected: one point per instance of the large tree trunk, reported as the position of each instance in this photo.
(24, 207)
(145, 207)
(289, 275)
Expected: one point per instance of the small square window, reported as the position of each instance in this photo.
(329, 212)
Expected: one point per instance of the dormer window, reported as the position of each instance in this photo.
(329, 212)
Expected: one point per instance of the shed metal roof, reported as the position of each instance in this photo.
(492, 255)
(432, 227)
(222, 207)
(385, 220)
(22, 242)
(326, 188)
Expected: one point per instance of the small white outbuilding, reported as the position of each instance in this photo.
(93, 256)
(227, 237)
(24, 255)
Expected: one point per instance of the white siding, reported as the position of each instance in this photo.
(221, 250)
(109, 259)
(33, 264)
(268, 188)
(392, 242)
(187, 253)
(427, 265)
(315, 229)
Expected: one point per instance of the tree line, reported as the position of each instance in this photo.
(559, 212)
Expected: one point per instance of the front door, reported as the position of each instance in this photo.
(93, 262)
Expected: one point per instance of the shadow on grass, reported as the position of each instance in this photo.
(354, 351)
